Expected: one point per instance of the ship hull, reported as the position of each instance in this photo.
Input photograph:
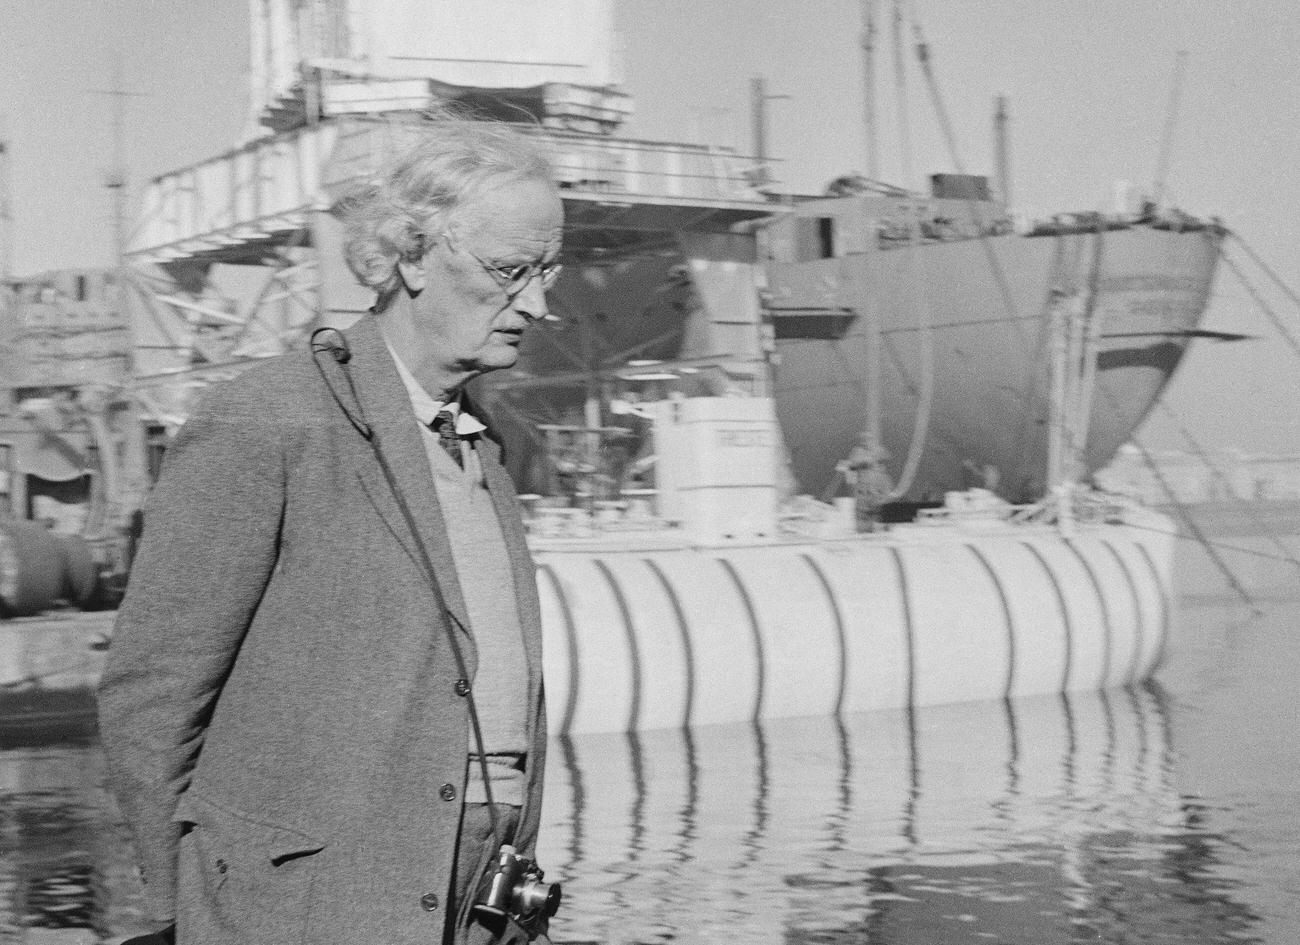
(976, 392)
(959, 330)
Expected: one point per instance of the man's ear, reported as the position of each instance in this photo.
(412, 274)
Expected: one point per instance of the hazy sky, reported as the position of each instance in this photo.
(1088, 84)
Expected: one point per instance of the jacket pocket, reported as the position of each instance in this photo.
(241, 880)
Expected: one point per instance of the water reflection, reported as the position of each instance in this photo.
(1036, 821)
(51, 856)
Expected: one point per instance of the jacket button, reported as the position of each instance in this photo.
(429, 902)
(447, 792)
(462, 687)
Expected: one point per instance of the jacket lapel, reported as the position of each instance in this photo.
(387, 409)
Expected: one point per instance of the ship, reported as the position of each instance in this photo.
(923, 320)
(940, 345)
(678, 432)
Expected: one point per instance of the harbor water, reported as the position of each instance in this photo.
(1167, 813)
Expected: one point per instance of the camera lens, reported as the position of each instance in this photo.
(543, 897)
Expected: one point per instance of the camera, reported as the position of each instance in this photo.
(515, 890)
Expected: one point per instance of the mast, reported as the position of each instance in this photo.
(869, 88)
(1171, 120)
(1001, 157)
(874, 398)
(758, 126)
(900, 90)
(115, 176)
(6, 215)
(758, 98)
(122, 478)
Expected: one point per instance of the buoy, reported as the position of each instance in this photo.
(665, 637)
(40, 568)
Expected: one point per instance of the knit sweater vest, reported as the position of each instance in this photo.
(500, 686)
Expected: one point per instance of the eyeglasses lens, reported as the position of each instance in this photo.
(519, 277)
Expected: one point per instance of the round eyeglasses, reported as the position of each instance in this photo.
(514, 279)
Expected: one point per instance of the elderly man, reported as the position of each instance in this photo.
(323, 705)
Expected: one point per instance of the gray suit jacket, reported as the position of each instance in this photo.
(281, 677)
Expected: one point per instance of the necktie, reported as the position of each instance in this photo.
(444, 424)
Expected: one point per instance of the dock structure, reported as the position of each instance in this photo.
(238, 257)
(731, 342)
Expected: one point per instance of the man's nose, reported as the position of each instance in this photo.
(530, 301)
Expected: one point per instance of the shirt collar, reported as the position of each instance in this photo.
(426, 408)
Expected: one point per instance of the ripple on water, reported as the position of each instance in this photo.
(1046, 820)
(1049, 820)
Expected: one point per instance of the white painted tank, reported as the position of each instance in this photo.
(716, 464)
(648, 634)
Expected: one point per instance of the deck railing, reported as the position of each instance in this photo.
(269, 184)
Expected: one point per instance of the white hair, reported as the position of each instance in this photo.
(389, 218)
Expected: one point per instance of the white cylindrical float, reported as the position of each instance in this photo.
(649, 635)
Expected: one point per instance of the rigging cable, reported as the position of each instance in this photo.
(922, 48)
(945, 125)
(1087, 353)
(925, 352)
(869, 87)
(1192, 526)
(1221, 545)
(1268, 271)
(1171, 122)
(1263, 306)
(900, 94)
(1197, 533)
(1260, 524)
